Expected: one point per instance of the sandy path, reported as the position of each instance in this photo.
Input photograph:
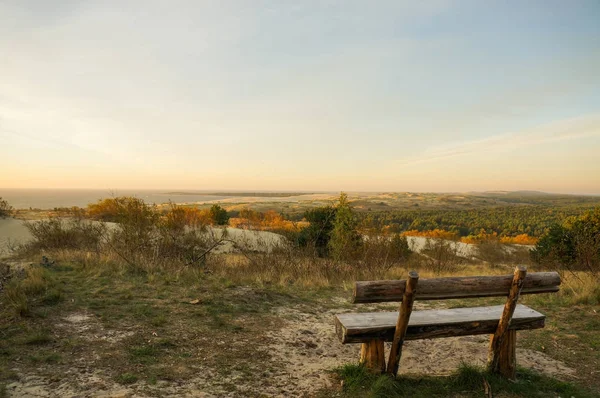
(309, 347)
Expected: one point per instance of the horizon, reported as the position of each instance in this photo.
(442, 97)
(300, 191)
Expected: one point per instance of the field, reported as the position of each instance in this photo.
(103, 317)
(97, 330)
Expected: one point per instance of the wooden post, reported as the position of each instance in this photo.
(402, 323)
(372, 355)
(501, 356)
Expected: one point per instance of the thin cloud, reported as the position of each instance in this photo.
(564, 130)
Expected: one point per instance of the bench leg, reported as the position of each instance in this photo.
(372, 355)
(506, 362)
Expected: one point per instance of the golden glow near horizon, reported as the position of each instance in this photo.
(442, 96)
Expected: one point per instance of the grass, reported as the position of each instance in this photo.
(467, 381)
(142, 325)
(127, 378)
(174, 325)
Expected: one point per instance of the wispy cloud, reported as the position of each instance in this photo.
(563, 130)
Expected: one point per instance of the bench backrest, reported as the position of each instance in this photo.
(411, 289)
(454, 287)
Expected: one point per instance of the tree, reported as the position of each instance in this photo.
(345, 239)
(399, 248)
(219, 215)
(573, 245)
(5, 209)
(318, 232)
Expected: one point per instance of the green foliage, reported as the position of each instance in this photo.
(345, 239)
(5, 209)
(318, 233)
(399, 247)
(219, 215)
(127, 378)
(468, 381)
(573, 245)
(534, 220)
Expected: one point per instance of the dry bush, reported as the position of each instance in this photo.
(56, 233)
(492, 252)
(6, 209)
(440, 255)
(281, 267)
(142, 238)
(34, 285)
(576, 288)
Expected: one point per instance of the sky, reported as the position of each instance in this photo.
(432, 96)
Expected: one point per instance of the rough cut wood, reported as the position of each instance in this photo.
(361, 327)
(372, 355)
(402, 322)
(498, 363)
(507, 356)
(456, 287)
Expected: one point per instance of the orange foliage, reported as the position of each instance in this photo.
(190, 216)
(435, 234)
(270, 220)
(522, 239)
(482, 237)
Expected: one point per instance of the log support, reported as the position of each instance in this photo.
(402, 323)
(372, 355)
(507, 359)
(501, 356)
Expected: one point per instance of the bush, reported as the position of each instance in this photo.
(345, 240)
(219, 215)
(35, 286)
(574, 245)
(56, 233)
(440, 255)
(6, 210)
(141, 236)
(318, 232)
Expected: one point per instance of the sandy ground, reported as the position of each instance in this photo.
(13, 231)
(308, 345)
(303, 351)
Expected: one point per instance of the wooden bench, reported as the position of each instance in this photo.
(372, 329)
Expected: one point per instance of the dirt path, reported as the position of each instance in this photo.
(308, 346)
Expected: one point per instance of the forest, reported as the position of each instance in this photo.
(533, 220)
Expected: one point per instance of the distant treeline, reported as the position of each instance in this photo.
(504, 221)
(245, 194)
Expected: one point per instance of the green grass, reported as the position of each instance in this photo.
(466, 382)
(40, 337)
(166, 338)
(127, 378)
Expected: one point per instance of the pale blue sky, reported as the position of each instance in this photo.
(302, 95)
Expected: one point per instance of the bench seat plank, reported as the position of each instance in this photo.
(361, 327)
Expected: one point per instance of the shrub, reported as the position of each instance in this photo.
(6, 210)
(34, 287)
(440, 255)
(219, 215)
(56, 233)
(574, 245)
(345, 239)
(318, 232)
